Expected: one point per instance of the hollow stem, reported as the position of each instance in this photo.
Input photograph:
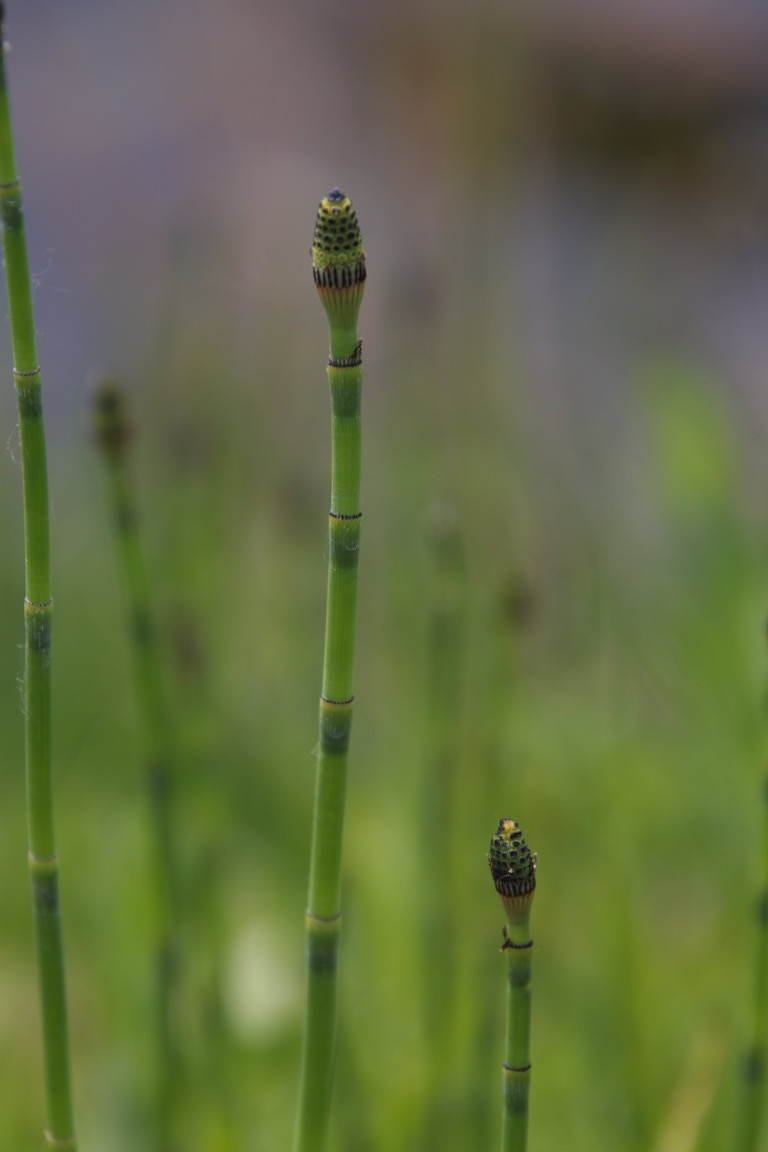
(339, 271)
(113, 434)
(38, 608)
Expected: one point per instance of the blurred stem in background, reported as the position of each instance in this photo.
(446, 658)
(38, 611)
(513, 868)
(338, 266)
(113, 433)
(753, 1070)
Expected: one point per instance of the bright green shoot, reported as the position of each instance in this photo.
(513, 868)
(38, 606)
(338, 265)
(114, 433)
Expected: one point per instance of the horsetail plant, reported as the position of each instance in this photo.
(753, 1060)
(113, 433)
(38, 610)
(338, 265)
(513, 868)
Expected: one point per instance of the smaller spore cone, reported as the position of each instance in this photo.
(513, 866)
(338, 260)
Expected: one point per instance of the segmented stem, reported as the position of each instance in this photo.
(339, 273)
(513, 868)
(38, 605)
(113, 433)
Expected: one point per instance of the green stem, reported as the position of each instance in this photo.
(752, 1070)
(441, 802)
(513, 868)
(113, 433)
(341, 297)
(516, 1072)
(43, 862)
(753, 1064)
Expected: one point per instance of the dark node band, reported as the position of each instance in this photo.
(30, 399)
(345, 515)
(10, 207)
(753, 1066)
(45, 894)
(509, 1068)
(40, 604)
(158, 778)
(323, 950)
(353, 361)
(338, 703)
(517, 947)
(25, 375)
(761, 908)
(142, 627)
(125, 518)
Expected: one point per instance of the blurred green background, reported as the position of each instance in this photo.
(564, 572)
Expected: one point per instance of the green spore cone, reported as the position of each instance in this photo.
(512, 864)
(338, 260)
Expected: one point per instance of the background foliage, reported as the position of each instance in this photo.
(563, 577)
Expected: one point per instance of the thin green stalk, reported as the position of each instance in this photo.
(753, 1064)
(513, 868)
(38, 607)
(114, 434)
(339, 271)
(446, 662)
(753, 1070)
(445, 1109)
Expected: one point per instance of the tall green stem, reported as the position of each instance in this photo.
(753, 1067)
(513, 868)
(113, 433)
(38, 606)
(339, 272)
(753, 1070)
